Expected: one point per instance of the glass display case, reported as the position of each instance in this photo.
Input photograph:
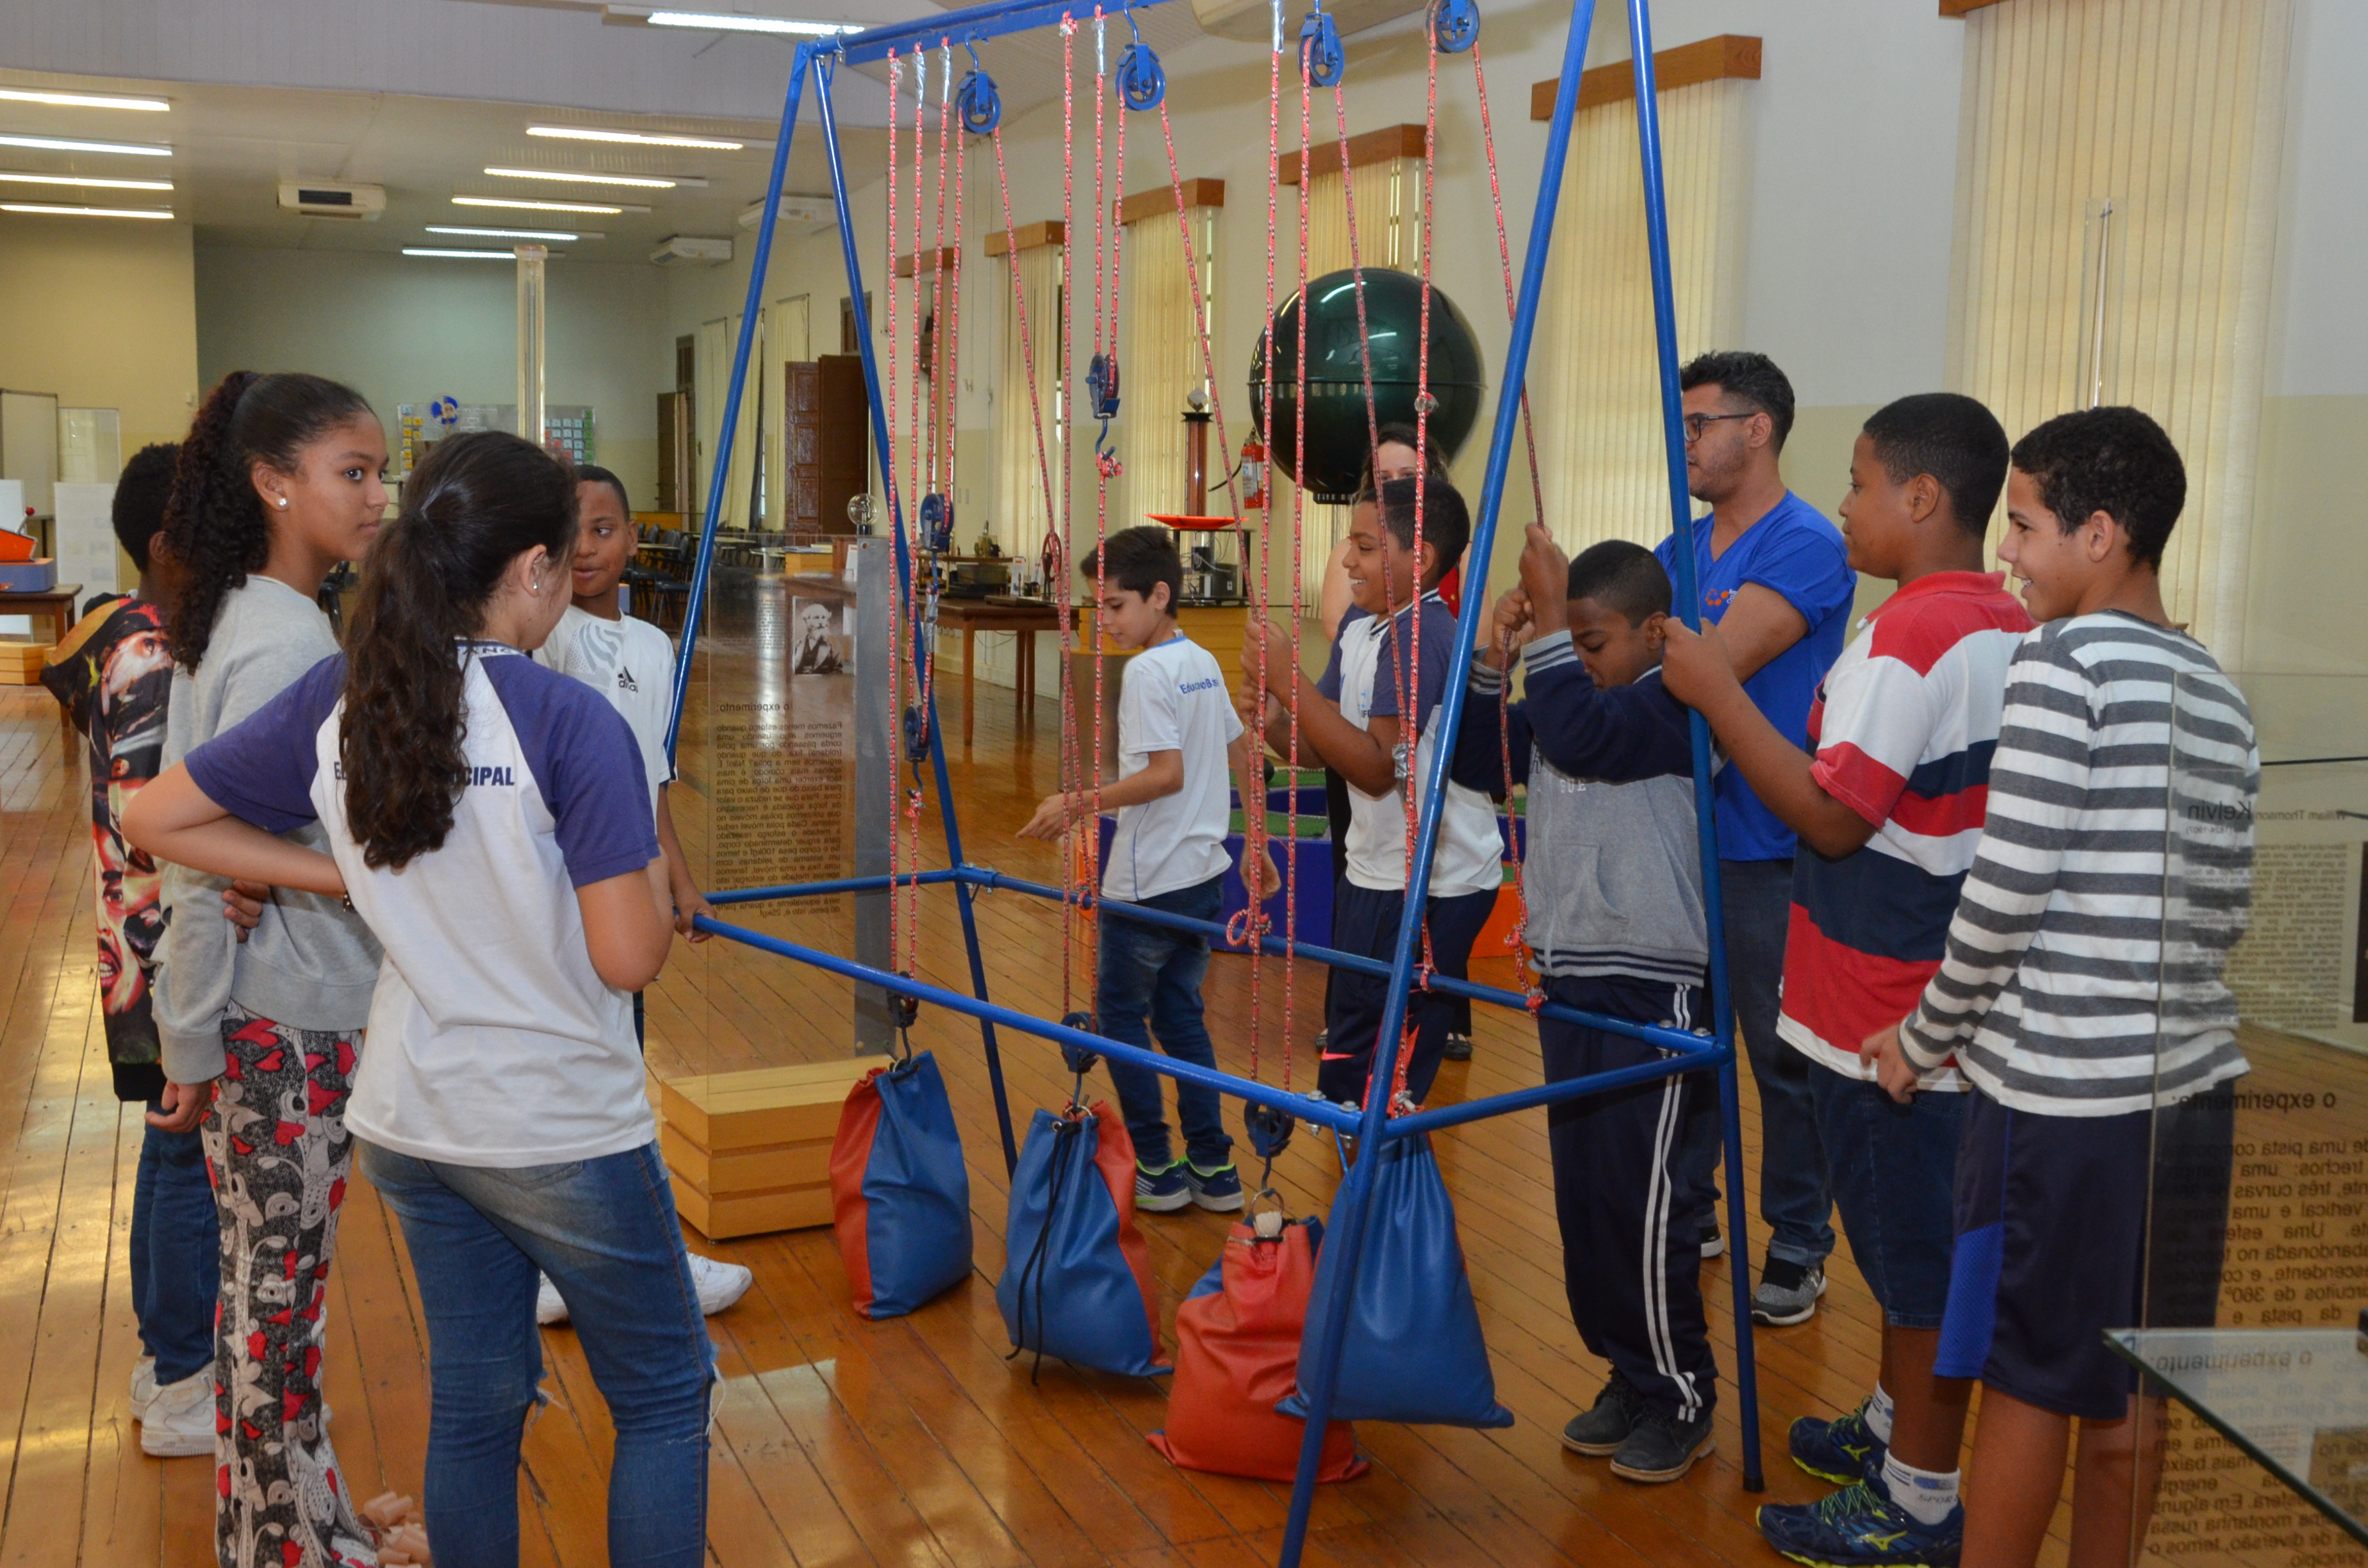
(2256, 1273)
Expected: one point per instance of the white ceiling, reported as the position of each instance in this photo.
(420, 96)
(232, 146)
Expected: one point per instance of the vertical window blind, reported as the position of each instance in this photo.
(2170, 113)
(1594, 376)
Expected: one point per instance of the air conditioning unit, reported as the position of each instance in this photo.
(685, 250)
(798, 215)
(333, 199)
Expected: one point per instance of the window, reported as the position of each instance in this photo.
(1595, 390)
(2117, 187)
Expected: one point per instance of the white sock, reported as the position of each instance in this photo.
(1927, 1497)
(1878, 1414)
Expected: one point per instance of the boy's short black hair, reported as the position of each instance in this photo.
(2116, 460)
(1138, 560)
(140, 493)
(587, 473)
(1622, 576)
(1950, 437)
(1747, 377)
(1446, 521)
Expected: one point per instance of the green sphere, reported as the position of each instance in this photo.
(1339, 433)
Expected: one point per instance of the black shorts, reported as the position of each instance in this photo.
(2051, 1252)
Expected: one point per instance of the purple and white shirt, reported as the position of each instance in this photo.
(493, 1041)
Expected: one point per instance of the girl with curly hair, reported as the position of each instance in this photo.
(278, 482)
(492, 820)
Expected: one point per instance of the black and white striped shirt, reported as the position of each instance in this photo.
(2084, 967)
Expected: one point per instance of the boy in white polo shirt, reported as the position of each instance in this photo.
(1176, 735)
(630, 663)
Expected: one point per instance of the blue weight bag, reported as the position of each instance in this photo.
(1077, 1280)
(900, 1195)
(1411, 1348)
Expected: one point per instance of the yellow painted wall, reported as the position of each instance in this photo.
(102, 313)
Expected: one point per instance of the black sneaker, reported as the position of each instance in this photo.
(1787, 1294)
(1662, 1448)
(1712, 1243)
(1602, 1429)
(1459, 1048)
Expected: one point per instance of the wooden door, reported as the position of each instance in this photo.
(801, 449)
(843, 446)
(674, 452)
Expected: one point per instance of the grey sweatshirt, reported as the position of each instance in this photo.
(1613, 875)
(311, 964)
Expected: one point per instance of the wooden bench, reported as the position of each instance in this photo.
(750, 1151)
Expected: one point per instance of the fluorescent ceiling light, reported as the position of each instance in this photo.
(461, 255)
(62, 144)
(573, 177)
(84, 179)
(77, 100)
(711, 21)
(59, 211)
(633, 137)
(513, 234)
(522, 204)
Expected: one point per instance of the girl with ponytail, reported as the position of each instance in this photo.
(278, 482)
(491, 820)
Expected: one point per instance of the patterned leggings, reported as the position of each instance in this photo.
(277, 1146)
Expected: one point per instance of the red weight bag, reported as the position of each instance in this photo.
(1238, 1356)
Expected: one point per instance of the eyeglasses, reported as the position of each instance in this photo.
(1696, 423)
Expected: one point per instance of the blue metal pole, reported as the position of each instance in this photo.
(1689, 596)
(823, 889)
(1350, 1211)
(714, 518)
(1337, 1117)
(972, 26)
(1660, 1035)
(904, 586)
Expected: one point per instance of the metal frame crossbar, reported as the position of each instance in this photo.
(1686, 1051)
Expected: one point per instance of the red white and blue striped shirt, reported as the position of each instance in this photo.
(1902, 730)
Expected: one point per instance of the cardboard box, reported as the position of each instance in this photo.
(750, 1151)
(21, 663)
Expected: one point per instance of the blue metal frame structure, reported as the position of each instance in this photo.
(1685, 1051)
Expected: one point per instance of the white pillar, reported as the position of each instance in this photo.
(531, 423)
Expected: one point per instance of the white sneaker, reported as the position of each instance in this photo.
(143, 1386)
(720, 1283)
(179, 1422)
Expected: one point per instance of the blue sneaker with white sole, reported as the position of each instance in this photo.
(1861, 1527)
(1842, 1450)
(1161, 1192)
(1219, 1191)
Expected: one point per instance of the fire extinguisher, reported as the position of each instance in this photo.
(1253, 475)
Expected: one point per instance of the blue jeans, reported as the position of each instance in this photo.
(604, 1231)
(1151, 970)
(176, 1254)
(1793, 1198)
(1894, 1173)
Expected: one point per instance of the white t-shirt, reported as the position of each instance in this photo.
(1173, 699)
(632, 664)
(1469, 856)
(493, 1041)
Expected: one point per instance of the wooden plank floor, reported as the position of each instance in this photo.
(842, 1441)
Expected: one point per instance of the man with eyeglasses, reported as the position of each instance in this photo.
(1775, 576)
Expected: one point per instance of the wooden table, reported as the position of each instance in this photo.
(56, 605)
(971, 617)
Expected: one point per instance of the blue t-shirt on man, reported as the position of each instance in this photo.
(1796, 552)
